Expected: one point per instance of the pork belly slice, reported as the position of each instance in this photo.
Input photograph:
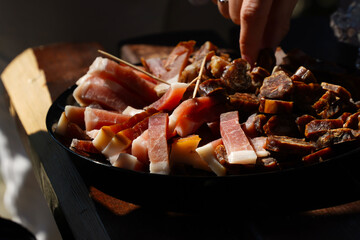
(259, 143)
(107, 93)
(194, 112)
(183, 150)
(127, 161)
(75, 114)
(97, 118)
(171, 98)
(69, 130)
(237, 145)
(157, 144)
(125, 76)
(207, 153)
(139, 147)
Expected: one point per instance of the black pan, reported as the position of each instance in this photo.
(328, 183)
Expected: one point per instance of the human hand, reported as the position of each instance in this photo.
(264, 23)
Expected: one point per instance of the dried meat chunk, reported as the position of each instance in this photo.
(337, 136)
(253, 126)
(328, 106)
(237, 75)
(338, 90)
(217, 66)
(319, 155)
(272, 106)
(282, 125)
(352, 121)
(291, 145)
(302, 121)
(304, 95)
(317, 127)
(277, 86)
(268, 163)
(212, 87)
(304, 75)
(220, 153)
(258, 74)
(244, 102)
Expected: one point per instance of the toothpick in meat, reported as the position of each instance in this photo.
(132, 66)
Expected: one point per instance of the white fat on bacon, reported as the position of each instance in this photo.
(157, 144)
(132, 111)
(207, 153)
(127, 161)
(139, 147)
(236, 143)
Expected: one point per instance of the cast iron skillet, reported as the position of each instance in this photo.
(329, 183)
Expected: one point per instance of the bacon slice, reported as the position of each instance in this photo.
(157, 143)
(125, 76)
(192, 113)
(139, 148)
(97, 118)
(237, 145)
(207, 153)
(75, 114)
(107, 93)
(171, 98)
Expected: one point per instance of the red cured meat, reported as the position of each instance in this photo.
(96, 118)
(157, 144)
(125, 76)
(237, 145)
(107, 93)
(177, 60)
(192, 113)
(171, 98)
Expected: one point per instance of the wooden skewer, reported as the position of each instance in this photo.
(198, 78)
(132, 66)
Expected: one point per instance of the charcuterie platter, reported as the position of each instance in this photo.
(295, 145)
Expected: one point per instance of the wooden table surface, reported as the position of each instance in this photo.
(36, 77)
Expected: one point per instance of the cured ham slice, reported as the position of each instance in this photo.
(237, 145)
(207, 153)
(171, 98)
(125, 76)
(97, 118)
(192, 113)
(139, 147)
(177, 60)
(157, 144)
(183, 150)
(107, 93)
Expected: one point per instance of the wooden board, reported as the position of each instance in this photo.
(32, 80)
